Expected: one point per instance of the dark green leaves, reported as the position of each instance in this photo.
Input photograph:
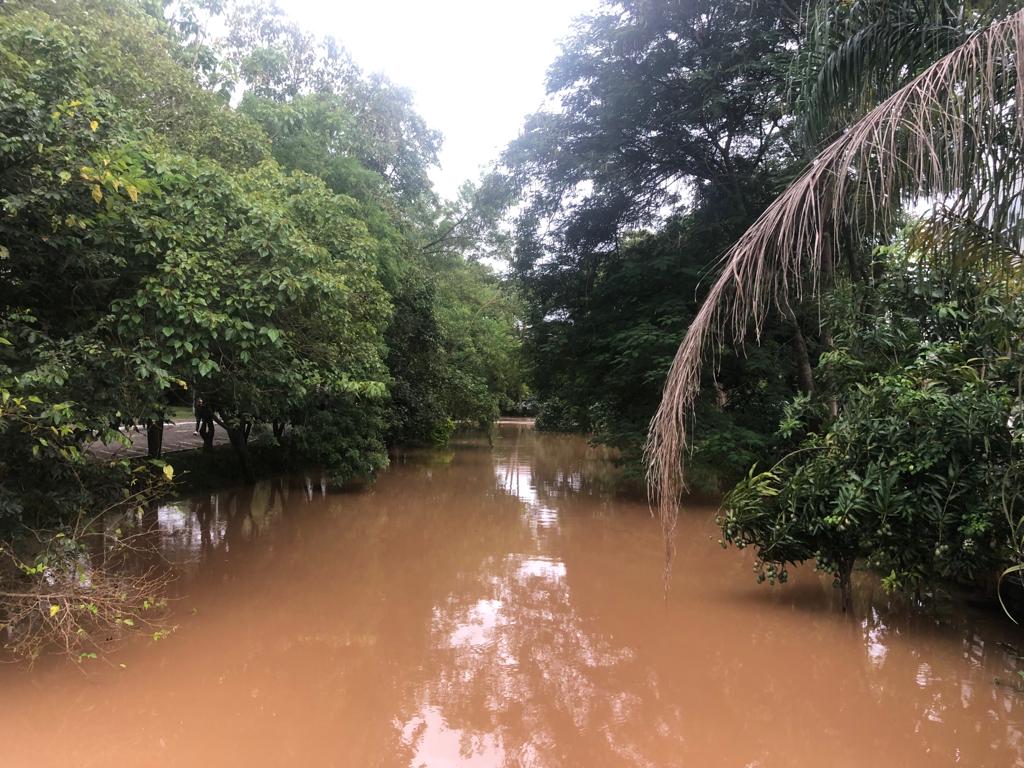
(916, 472)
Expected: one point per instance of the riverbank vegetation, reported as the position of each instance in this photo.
(823, 202)
(244, 218)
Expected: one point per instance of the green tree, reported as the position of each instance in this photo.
(265, 295)
(259, 287)
(154, 239)
(280, 62)
(452, 340)
(910, 113)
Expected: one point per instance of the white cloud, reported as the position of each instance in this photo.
(476, 67)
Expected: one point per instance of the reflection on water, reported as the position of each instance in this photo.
(194, 531)
(499, 606)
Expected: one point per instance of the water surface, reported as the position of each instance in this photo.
(499, 606)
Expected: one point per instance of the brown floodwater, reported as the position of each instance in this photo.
(500, 606)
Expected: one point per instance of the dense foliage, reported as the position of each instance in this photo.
(673, 127)
(156, 239)
(908, 455)
(905, 457)
(249, 219)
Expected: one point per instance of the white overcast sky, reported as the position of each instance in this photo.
(475, 67)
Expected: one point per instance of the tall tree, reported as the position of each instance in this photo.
(668, 138)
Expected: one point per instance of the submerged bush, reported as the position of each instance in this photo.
(342, 436)
(907, 458)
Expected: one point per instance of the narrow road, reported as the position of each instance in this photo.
(177, 437)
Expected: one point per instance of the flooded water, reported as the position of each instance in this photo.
(501, 607)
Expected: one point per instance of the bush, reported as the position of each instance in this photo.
(558, 415)
(342, 436)
(907, 458)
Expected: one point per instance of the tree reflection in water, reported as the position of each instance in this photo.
(196, 534)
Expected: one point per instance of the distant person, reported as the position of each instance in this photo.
(198, 408)
(204, 420)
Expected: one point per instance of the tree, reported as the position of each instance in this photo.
(452, 345)
(260, 288)
(280, 62)
(918, 471)
(136, 58)
(265, 298)
(477, 318)
(659, 102)
(69, 172)
(155, 240)
(669, 138)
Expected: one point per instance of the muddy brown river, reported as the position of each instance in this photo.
(500, 606)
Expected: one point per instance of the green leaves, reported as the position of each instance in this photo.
(906, 459)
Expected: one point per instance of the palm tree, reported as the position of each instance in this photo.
(949, 131)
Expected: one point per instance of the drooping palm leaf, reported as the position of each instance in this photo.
(1013, 570)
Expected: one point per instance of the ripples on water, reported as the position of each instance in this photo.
(500, 606)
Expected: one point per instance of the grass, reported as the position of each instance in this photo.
(180, 413)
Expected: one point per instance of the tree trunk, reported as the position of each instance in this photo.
(279, 429)
(803, 359)
(155, 436)
(846, 583)
(206, 431)
(238, 434)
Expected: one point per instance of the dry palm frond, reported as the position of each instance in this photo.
(954, 133)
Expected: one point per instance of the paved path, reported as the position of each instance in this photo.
(177, 437)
